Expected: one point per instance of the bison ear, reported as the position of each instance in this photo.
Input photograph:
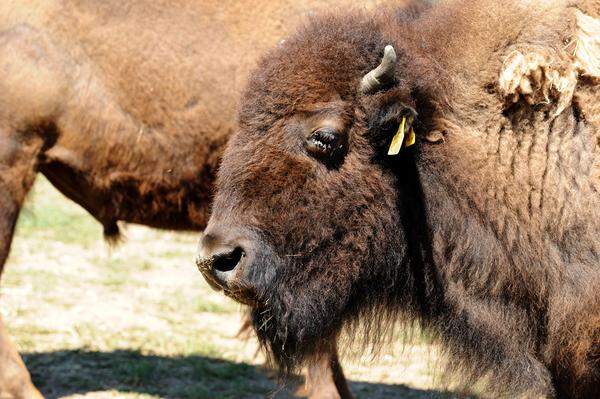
(404, 136)
(382, 75)
(392, 128)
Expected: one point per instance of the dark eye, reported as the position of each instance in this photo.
(323, 140)
(327, 145)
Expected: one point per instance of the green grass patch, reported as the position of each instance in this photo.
(186, 377)
(209, 306)
(49, 214)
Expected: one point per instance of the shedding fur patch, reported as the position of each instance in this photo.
(537, 76)
(587, 45)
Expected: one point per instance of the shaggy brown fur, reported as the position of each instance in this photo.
(486, 232)
(125, 106)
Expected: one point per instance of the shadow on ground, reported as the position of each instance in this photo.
(70, 372)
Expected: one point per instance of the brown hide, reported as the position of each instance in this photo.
(134, 100)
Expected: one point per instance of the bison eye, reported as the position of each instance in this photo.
(327, 145)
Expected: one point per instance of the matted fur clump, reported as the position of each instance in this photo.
(485, 232)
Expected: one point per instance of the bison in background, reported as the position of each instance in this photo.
(125, 106)
(457, 185)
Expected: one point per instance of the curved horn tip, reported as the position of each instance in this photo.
(384, 71)
(389, 53)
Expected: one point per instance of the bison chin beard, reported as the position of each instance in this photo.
(287, 350)
(301, 316)
(295, 326)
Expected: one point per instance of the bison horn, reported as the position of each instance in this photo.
(381, 75)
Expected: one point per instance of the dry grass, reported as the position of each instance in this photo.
(138, 320)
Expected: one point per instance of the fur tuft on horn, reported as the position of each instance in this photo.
(383, 74)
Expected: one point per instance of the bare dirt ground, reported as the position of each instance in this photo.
(138, 320)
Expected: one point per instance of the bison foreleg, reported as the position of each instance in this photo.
(30, 87)
(14, 378)
(16, 176)
(325, 378)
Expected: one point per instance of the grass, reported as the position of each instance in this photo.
(138, 320)
(50, 216)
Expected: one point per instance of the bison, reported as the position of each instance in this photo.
(125, 106)
(441, 169)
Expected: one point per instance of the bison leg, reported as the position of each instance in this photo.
(29, 90)
(325, 378)
(15, 381)
(16, 176)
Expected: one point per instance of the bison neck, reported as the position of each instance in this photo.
(503, 247)
(514, 223)
(512, 217)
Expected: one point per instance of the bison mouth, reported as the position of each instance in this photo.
(239, 293)
(243, 295)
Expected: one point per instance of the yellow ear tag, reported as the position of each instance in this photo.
(410, 140)
(398, 139)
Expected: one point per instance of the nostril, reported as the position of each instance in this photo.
(227, 262)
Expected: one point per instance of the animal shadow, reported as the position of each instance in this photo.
(67, 372)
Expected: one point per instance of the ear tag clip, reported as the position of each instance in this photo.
(410, 140)
(398, 139)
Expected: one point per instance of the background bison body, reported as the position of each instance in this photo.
(125, 107)
(486, 231)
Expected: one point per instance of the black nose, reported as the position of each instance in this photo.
(218, 260)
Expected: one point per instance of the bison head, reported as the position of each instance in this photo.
(307, 225)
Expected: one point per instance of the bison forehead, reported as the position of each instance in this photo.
(323, 60)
